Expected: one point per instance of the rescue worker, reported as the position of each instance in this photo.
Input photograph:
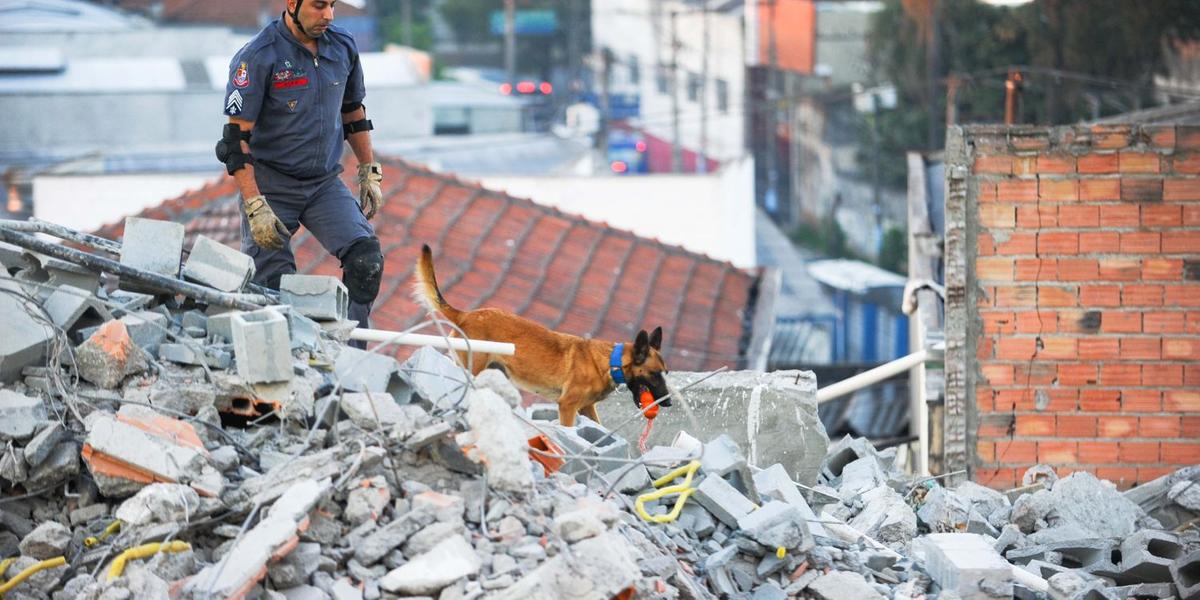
(294, 94)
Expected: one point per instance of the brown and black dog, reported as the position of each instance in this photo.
(572, 369)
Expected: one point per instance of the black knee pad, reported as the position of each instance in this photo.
(362, 270)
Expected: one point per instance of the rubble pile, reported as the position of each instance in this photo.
(213, 441)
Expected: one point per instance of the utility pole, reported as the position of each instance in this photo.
(676, 148)
(931, 78)
(952, 83)
(406, 16)
(1012, 96)
(772, 195)
(510, 41)
(702, 158)
(606, 61)
(876, 195)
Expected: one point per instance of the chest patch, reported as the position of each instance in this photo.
(292, 105)
(289, 77)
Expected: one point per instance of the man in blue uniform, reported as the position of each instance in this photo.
(294, 95)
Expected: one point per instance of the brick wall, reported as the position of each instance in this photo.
(1082, 246)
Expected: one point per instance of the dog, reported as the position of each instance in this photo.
(578, 372)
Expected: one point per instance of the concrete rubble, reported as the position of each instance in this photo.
(266, 458)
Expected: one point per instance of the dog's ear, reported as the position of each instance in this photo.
(656, 338)
(641, 348)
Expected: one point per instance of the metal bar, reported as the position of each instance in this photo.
(869, 378)
(434, 341)
(36, 225)
(99, 263)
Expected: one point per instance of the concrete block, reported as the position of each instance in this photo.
(220, 325)
(150, 245)
(318, 297)
(24, 341)
(885, 516)
(218, 266)
(723, 458)
(67, 305)
(383, 540)
(187, 355)
(1185, 573)
(439, 381)
(20, 416)
(109, 355)
(967, 564)
(49, 540)
(591, 439)
(61, 465)
(451, 560)
(776, 413)
(774, 482)
(1146, 557)
(543, 411)
(157, 449)
(261, 346)
(1144, 591)
(362, 371)
(1095, 506)
(364, 408)
(598, 568)
(777, 524)
(39, 448)
(843, 585)
(944, 511)
(306, 333)
(146, 328)
(722, 500)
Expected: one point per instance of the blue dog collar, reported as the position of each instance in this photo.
(614, 364)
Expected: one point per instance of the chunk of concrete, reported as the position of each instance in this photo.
(147, 449)
(778, 410)
(1095, 505)
(218, 266)
(497, 440)
(578, 525)
(20, 416)
(886, 517)
(67, 305)
(436, 379)
(775, 482)
(597, 568)
(49, 540)
(159, 503)
(25, 339)
(723, 500)
(843, 585)
(151, 245)
(1185, 573)
(722, 457)
(39, 448)
(370, 409)
(380, 542)
(261, 346)
(318, 297)
(944, 511)
(109, 356)
(62, 464)
(967, 564)
(777, 525)
(362, 371)
(451, 560)
(1146, 556)
(147, 328)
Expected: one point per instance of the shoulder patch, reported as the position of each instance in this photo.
(233, 105)
(241, 76)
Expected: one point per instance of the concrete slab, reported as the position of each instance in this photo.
(151, 245)
(261, 346)
(723, 500)
(218, 266)
(24, 341)
(774, 482)
(318, 297)
(144, 450)
(451, 560)
(20, 416)
(967, 564)
(362, 371)
(777, 524)
(771, 416)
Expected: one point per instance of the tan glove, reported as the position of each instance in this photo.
(266, 229)
(370, 195)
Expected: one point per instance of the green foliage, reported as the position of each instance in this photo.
(829, 239)
(893, 255)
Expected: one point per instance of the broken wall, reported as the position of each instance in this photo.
(1073, 299)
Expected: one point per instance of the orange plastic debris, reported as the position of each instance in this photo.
(550, 464)
(649, 409)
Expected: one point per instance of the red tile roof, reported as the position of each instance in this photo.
(235, 13)
(491, 249)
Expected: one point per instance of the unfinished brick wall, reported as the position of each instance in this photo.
(1082, 296)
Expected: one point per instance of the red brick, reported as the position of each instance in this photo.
(1024, 166)
(1162, 269)
(1160, 136)
(985, 451)
(1191, 215)
(1055, 163)
(1031, 321)
(987, 191)
(1141, 190)
(1139, 452)
(1036, 269)
(1058, 453)
(1000, 478)
(1111, 137)
(1078, 216)
(1191, 376)
(1141, 401)
(1140, 242)
(1121, 322)
(997, 374)
(1098, 453)
(1159, 427)
(1120, 269)
(1141, 349)
(1139, 162)
(1099, 242)
(998, 322)
(1116, 427)
(1158, 374)
(994, 268)
(1193, 323)
(1076, 374)
(1058, 243)
(1040, 425)
(1180, 189)
(1123, 477)
(1163, 322)
(1058, 347)
(1180, 453)
(1001, 165)
(1056, 296)
(1099, 189)
(983, 348)
(1142, 295)
(1186, 162)
(1016, 348)
(1181, 242)
(1037, 216)
(1187, 137)
(1099, 348)
(998, 215)
(1008, 296)
(1078, 269)
(1181, 348)
(1190, 428)
(1077, 321)
(1146, 474)
(1076, 426)
(1162, 215)
(1100, 400)
(1186, 401)
(1014, 190)
(1016, 452)
(1119, 215)
(1017, 399)
(1100, 295)
(1018, 243)
(1098, 163)
(1058, 190)
(1117, 375)
(1182, 295)
(995, 425)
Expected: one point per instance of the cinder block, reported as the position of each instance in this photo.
(1185, 572)
(723, 500)
(67, 305)
(24, 340)
(592, 439)
(362, 371)
(147, 328)
(150, 245)
(318, 297)
(218, 266)
(966, 563)
(261, 346)
(1146, 557)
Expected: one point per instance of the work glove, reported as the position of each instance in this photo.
(370, 195)
(266, 229)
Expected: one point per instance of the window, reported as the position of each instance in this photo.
(660, 79)
(693, 87)
(722, 96)
(635, 70)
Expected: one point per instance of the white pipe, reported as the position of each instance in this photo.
(433, 341)
(1030, 580)
(869, 378)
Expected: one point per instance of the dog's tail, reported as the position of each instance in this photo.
(426, 291)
